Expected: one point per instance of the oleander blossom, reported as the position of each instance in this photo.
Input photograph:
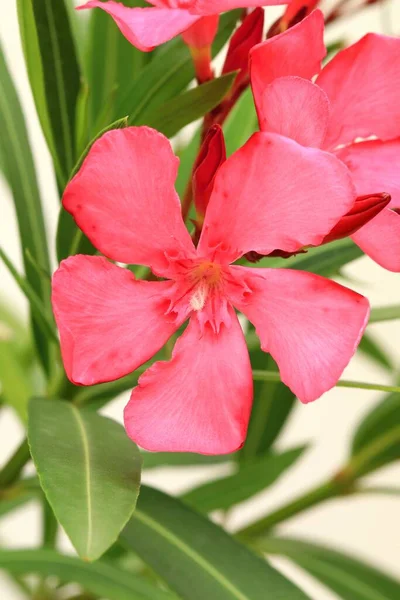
(352, 111)
(152, 26)
(123, 198)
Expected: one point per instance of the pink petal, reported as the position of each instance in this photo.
(310, 325)
(123, 198)
(146, 28)
(375, 167)
(380, 239)
(274, 194)
(200, 400)
(296, 108)
(297, 51)
(213, 7)
(363, 86)
(109, 322)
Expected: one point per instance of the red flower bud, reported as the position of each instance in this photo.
(294, 13)
(211, 156)
(364, 209)
(245, 37)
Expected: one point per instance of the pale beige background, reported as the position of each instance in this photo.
(367, 526)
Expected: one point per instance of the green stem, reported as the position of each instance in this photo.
(259, 375)
(384, 313)
(342, 483)
(321, 493)
(12, 470)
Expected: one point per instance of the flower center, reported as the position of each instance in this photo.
(207, 276)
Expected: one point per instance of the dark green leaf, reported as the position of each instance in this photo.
(33, 61)
(187, 156)
(169, 72)
(153, 460)
(109, 79)
(70, 239)
(253, 477)
(88, 469)
(98, 578)
(379, 424)
(189, 106)
(351, 579)
(20, 173)
(61, 74)
(272, 405)
(198, 559)
(324, 260)
(241, 123)
(370, 347)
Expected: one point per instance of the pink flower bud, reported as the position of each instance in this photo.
(211, 156)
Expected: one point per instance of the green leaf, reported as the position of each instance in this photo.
(33, 61)
(189, 106)
(379, 423)
(187, 156)
(61, 74)
(88, 469)
(385, 313)
(18, 495)
(198, 559)
(370, 347)
(20, 172)
(99, 578)
(351, 579)
(169, 72)
(111, 79)
(153, 460)
(70, 239)
(15, 387)
(324, 260)
(253, 477)
(272, 405)
(241, 123)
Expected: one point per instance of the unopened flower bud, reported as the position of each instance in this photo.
(211, 156)
(364, 209)
(295, 12)
(245, 37)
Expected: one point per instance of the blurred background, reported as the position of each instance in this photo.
(366, 526)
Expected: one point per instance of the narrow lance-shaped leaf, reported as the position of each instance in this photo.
(111, 79)
(351, 579)
(189, 106)
(272, 405)
(165, 533)
(20, 173)
(379, 425)
(61, 75)
(100, 578)
(254, 476)
(169, 72)
(88, 469)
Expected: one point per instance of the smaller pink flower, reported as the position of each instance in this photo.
(149, 27)
(124, 200)
(355, 97)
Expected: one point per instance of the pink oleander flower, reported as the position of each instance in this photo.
(273, 192)
(351, 111)
(149, 27)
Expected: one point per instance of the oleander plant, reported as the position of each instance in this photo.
(216, 171)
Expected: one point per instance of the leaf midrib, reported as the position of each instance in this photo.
(200, 560)
(86, 459)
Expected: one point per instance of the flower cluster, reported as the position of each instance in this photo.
(324, 165)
